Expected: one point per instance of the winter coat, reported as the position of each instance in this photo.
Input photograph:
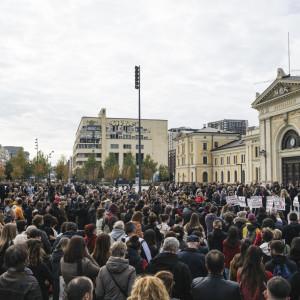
(281, 260)
(215, 239)
(290, 231)
(115, 280)
(71, 270)
(117, 234)
(182, 275)
(23, 283)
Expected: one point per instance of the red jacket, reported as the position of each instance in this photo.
(230, 251)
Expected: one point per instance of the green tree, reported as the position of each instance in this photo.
(111, 167)
(28, 170)
(2, 172)
(129, 167)
(91, 168)
(80, 174)
(62, 169)
(163, 173)
(8, 170)
(18, 164)
(148, 168)
(40, 165)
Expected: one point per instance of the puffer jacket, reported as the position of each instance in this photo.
(115, 280)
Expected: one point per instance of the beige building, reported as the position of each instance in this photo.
(100, 136)
(268, 153)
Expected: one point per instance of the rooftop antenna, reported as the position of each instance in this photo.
(289, 54)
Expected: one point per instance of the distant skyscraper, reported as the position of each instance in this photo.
(237, 126)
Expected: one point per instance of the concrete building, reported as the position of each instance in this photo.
(4, 156)
(13, 150)
(237, 126)
(268, 153)
(101, 135)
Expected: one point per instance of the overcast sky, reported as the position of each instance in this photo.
(62, 59)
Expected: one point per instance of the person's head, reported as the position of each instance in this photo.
(19, 201)
(149, 288)
(137, 217)
(62, 244)
(90, 230)
(233, 235)
(217, 224)
(293, 217)
(277, 234)
(33, 233)
(267, 235)
(152, 218)
(295, 248)
(168, 280)
(179, 232)
(101, 251)
(130, 228)
(80, 288)
(75, 250)
(278, 288)
(35, 252)
(194, 221)
(150, 237)
(119, 225)
(21, 225)
(9, 232)
(214, 262)
(38, 220)
(164, 218)
(134, 243)
(277, 248)
(16, 257)
(170, 245)
(71, 227)
(100, 213)
(193, 241)
(118, 249)
(213, 210)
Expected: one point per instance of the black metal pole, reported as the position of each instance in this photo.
(140, 154)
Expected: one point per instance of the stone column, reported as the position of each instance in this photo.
(262, 131)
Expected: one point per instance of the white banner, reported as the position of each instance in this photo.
(255, 202)
(242, 201)
(232, 200)
(270, 202)
(279, 203)
(296, 202)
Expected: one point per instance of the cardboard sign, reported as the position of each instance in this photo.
(255, 202)
(242, 201)
(296, 202)
(270, 203)
(279, 203)
(232, 200)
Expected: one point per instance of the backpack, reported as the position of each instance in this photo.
(282, 271)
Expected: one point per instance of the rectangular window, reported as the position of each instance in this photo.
(235, 159)
(204, 146)
(216, 161)
(228, 160)
(205, 160)
(114, 146)
(126, 146)
(243, 158)
(256, 151)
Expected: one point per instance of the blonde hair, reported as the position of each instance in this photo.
(149, 288)
(8, 234)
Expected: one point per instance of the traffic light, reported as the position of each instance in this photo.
(137, 77)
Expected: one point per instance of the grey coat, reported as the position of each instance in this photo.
(118, 269)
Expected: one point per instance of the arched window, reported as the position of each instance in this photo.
(235, 176)
(290, 140)
(216, 176)
(222, 177)
(228, 176)
(205, 177)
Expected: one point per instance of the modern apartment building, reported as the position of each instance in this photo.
(236, 126)
(101, 135)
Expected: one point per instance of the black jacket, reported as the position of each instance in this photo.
(281, 260)
(182, 275)
(215, 287)
(290, 231)
(215, 239)
(195, 260)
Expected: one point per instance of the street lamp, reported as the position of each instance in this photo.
(138, 87)
(36, 147)
(48, 159)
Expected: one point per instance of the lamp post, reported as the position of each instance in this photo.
(49, 161)
(36, 147)
(138, 87)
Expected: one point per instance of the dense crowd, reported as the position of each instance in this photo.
(81, 241)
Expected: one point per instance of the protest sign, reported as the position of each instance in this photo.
(242, 201)
(279, 203)
(232, 200)
(296, 202)
(270, 202)
(255, 202)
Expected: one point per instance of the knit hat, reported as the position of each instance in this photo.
(251, 217)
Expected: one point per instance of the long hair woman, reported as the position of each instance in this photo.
(38, 266)
(252, 275)
(101, 251)
(137, 220)
(77, 262)
(7, 236)
(194, 225)
(149, 288)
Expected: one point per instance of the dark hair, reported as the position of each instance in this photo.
(245, 244)
(233, 236)
(37, 220)
(170, 234)
(78, 287)
(278, 287)
(100, 213)
(268, 222)
(168, 280)
(16, 256)
(129, 227)
(253, 272)
(71, 226)
(137, 217)
(278, 246)
(35, 252)
(213, 209)
(101, 251)
(152, 218)
(179, 232)
(48, 220)
(267, 235)
(21, 224)
(75, 250)
(150, 237)
(295, 248)
(293, 217)
(33, 233)
(134, 242)
(214, 261)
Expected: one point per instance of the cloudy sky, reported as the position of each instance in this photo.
(62, 59)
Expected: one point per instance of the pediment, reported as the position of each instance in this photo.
(280, 88)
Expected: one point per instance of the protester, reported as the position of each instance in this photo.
(278, 288)
(7, 237)
(101, 252)
(80, 288)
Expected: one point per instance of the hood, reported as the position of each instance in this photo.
(165, 260)
(117, 233)
(117, 264)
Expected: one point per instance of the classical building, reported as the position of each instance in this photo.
(100, 136)
(267, 153)
(237, 126)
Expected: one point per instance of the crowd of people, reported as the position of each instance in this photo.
(79, 241)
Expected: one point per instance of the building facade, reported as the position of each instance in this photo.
(13, 150)
(100, 136)
(237, 126)
(4, 156)
(267, 153)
